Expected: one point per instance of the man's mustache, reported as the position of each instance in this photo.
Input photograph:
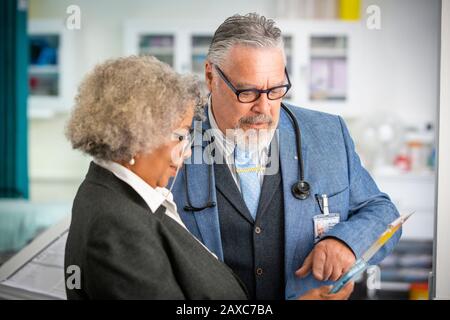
(260, 118)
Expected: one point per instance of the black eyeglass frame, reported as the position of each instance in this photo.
(237, 92)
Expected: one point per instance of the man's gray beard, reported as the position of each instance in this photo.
(263, 136)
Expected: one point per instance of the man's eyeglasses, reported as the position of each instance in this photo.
(251, 95)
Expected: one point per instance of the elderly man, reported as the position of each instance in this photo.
(281, 237)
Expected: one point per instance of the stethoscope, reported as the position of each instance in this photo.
(300, 190)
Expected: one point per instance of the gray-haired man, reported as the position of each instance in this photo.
(262, 225)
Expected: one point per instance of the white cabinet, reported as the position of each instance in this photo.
(50, 70)
(309, 46)
(412, 192)
(326, 56)
(180, 46)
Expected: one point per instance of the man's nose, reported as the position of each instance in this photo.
(262, 105)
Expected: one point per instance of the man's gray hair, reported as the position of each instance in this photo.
(251, 30)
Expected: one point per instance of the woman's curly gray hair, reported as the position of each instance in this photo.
(130, 105)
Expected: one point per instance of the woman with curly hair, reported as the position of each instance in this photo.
(133, 115)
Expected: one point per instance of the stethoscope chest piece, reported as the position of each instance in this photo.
(301, 190)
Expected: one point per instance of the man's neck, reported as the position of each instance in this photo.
(213, 120)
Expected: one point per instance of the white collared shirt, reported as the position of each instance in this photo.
(226, 148)
(153, 197)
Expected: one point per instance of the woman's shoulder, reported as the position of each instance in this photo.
(101, 182)
(103, 199)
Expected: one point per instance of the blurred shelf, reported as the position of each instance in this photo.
(329, 53)
(394, 286)
(402, 275)
(428, 175)
(407, 266)
(200, 50)
(51, 81)
(46, 69)
(156, 51)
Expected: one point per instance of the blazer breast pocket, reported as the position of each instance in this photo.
(338, 202)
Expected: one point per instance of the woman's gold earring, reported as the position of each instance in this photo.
(132, 162)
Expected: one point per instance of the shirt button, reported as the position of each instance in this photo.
(257, 230)
(259, 271)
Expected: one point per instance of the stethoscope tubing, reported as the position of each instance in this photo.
(300, 189)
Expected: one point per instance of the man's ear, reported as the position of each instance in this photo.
(208, 75)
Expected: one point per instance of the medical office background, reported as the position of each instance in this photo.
(381, 75)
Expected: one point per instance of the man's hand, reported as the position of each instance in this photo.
(322, 293)
(329, 260)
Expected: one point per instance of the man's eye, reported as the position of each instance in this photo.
(277, 90)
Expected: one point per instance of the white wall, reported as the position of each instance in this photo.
(55, 169)
(400, 73)
(402, 61)
(442, 241)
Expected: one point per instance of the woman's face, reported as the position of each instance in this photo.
(157, 167)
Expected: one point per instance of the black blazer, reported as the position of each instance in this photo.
(125, 251)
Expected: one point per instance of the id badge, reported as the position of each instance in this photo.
(324, 223)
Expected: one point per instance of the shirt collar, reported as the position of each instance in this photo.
(154, 197)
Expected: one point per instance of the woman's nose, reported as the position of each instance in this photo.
(187, 152)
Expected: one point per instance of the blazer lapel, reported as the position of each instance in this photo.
(227, 187)
(201, 184)
(295, 210)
